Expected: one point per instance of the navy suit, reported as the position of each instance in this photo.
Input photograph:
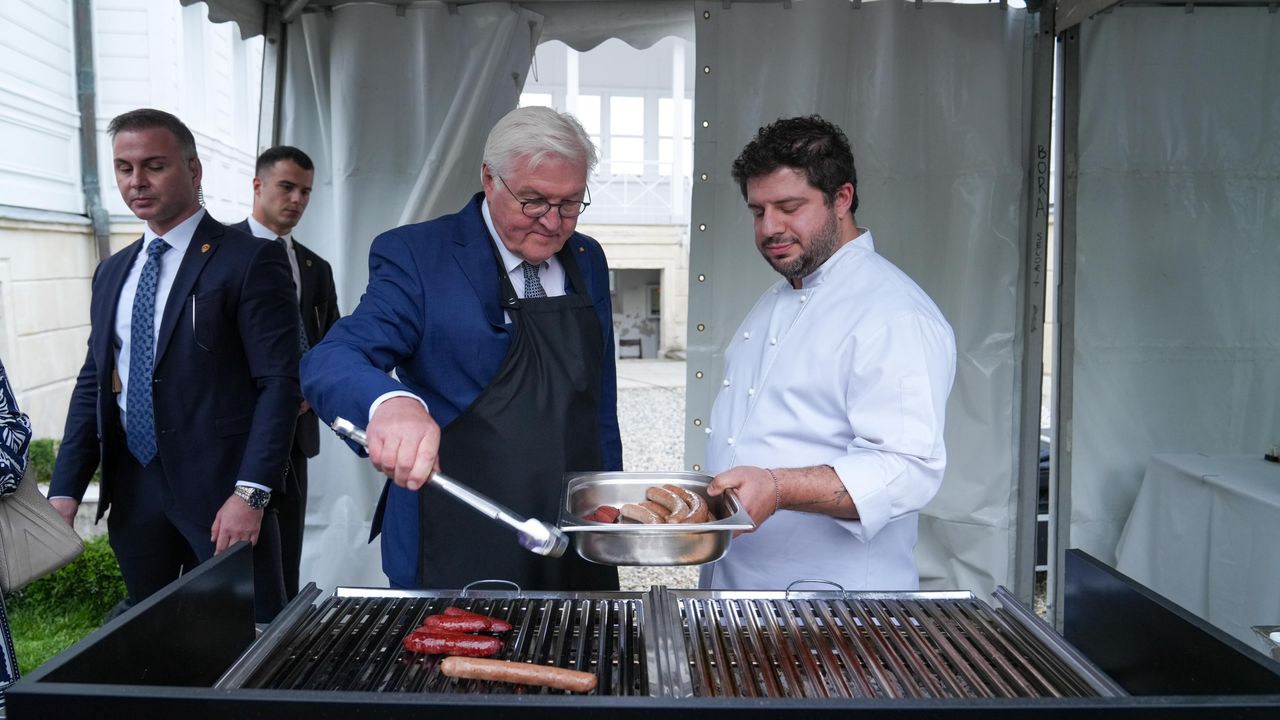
(318, 309)
(225, 388)
(431, 312)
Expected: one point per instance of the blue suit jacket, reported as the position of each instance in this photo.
(225, 387)
(431, 313)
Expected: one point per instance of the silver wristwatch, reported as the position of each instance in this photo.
(255, 497)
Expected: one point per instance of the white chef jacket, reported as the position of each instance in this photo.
(852, 371)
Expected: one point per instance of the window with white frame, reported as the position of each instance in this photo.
(666, 136)
(589, 116)
(534, 99)
(626, 135)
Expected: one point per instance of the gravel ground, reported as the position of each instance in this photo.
(652, 423)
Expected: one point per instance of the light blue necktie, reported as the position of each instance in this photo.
(303, 344)
(140, 414)
(532, 284)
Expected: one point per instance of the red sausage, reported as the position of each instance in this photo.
(607, 514)
(492, 624)
(455, 624)
(446, 643)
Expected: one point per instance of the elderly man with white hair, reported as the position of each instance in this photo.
(498, 324)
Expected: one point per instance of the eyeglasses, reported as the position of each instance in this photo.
(538, 208)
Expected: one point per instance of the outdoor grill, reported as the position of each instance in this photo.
(190, 651)
(773, 645)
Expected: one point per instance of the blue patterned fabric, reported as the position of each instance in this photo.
(532, 283)
(303, 344)
(15, 438)
(140, 425)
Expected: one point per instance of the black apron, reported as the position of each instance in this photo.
(537, 419)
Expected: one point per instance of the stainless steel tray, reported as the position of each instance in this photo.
(631, 543)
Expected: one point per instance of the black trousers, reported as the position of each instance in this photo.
(154, 546)
(292, 515)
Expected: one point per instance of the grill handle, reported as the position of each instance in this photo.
(535, 535)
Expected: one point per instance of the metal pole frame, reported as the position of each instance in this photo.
(275, 34)
(1064, 370)
(1040, 40)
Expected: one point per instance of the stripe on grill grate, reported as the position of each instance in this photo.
(872, 647)
(354, 643)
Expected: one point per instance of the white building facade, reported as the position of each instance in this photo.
(145, 53)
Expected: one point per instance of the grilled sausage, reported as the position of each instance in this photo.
(437, 642)
(455, 619)
(657, 509)
(669, 500)
(604, 514)
(698, 511)
(640, 513)
(518, 672)
(454, 624)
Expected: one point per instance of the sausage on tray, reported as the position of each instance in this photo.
(698, 511)
(603, 514)
(640, 513)
(518, 672)
(435, 642)
(674, 505)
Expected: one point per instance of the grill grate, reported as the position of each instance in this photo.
(878, 647)
(353, 643)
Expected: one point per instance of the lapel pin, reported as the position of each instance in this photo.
(308, 263)
(582, 248)
(204, 248)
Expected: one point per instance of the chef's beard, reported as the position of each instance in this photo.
(821, 247)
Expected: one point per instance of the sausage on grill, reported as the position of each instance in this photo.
(455, 619)
(518, 672)
(437, 642)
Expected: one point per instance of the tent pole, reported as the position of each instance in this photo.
(275, 34)
(1040, 43)
(1064, 372)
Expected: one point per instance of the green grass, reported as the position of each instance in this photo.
(54, 612)
(40, 632)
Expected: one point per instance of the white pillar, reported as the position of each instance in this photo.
(677, 129)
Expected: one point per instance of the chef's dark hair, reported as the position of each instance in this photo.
(811, 145)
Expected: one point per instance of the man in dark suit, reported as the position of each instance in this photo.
(281, 190)
(498, 323)
(189, 389)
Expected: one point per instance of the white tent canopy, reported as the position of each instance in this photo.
(948, 110)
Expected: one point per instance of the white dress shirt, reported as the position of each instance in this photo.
(852, 371)
(262, 231)
(178, 239)
(550, 273)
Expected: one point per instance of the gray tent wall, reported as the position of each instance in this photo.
(945, 161)
(1171, 199)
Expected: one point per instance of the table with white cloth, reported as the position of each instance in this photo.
(1205, 533)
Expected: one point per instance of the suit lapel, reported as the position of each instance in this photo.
(473, 251)
(114, 275)
(307, 277)
(209, 233)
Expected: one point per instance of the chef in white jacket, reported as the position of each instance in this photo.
(829, 422)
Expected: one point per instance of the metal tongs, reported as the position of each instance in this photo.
(535, 535)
